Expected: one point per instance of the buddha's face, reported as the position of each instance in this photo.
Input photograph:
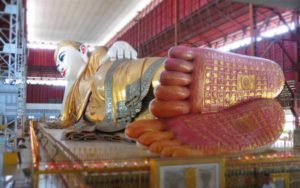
(69, 61)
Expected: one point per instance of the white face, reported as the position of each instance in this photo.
(69, 61)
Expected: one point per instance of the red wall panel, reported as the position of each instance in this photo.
(283, 52)
(44, 94)
(157, 20)
(41, 57)
(41, 63)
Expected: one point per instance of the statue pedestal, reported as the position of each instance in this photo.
(87, 150)
(297, 138)
(118, 164)
(87, 163)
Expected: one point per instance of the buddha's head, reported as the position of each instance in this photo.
(70, 57)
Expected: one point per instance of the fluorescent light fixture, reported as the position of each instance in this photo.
(52, 117)
(130, 16)
(266, 34)
(91, 48)
(30, 117)
(13, 81)
(277, 31)
(8, 178)
(46, 81)
(258, 39)
(236, 44)
(36, 45)
(51, 46)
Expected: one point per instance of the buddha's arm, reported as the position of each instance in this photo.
(68, 87)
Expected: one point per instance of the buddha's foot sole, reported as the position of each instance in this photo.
(200, 80)
(240, 128)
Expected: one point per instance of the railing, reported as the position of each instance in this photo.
(34, 147)
(11, 139)
(287, 96)
(64, 169)
(289, 99)
(11, 122)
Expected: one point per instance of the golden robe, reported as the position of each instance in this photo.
(110, 93)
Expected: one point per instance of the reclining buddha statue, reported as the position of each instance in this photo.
(105, 89)
(196, 101)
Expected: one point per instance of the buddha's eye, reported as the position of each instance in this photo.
(61, 56)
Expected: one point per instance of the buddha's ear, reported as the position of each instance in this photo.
(83, 51)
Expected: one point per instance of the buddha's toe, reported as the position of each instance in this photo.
(178, 65)
(171, 97)
(138, 128)
(150, 137)
(172, 78)
(158, 146)
(168, 109)
(171, 93)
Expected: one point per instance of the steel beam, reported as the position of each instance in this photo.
(176, 25)
(281, 18)
(253, 30)
(13, 54)
(286, 53)
(229, 18)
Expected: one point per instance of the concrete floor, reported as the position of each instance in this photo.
(12, 176)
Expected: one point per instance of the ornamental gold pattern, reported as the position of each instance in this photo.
(229, 79)
(230, 107)
(243, 127)
(80, 92)
(118, 90)
(89, 95)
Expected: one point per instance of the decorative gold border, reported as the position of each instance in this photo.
(230, 162)
(34, 146)
(282, 176)
(156, 164)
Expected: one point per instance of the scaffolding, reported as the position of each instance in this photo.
(13, 61)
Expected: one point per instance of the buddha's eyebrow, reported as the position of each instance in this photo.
(61, 56)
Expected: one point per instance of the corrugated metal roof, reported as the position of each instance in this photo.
(88, 21)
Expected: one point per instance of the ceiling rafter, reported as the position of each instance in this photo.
(281, 19)
(229, 18)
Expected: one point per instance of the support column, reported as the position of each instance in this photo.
(176, 22)
(297, 37)
(253, 30)
(13, 54)
(138, 34)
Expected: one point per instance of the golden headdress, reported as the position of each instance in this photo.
(61, 44)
